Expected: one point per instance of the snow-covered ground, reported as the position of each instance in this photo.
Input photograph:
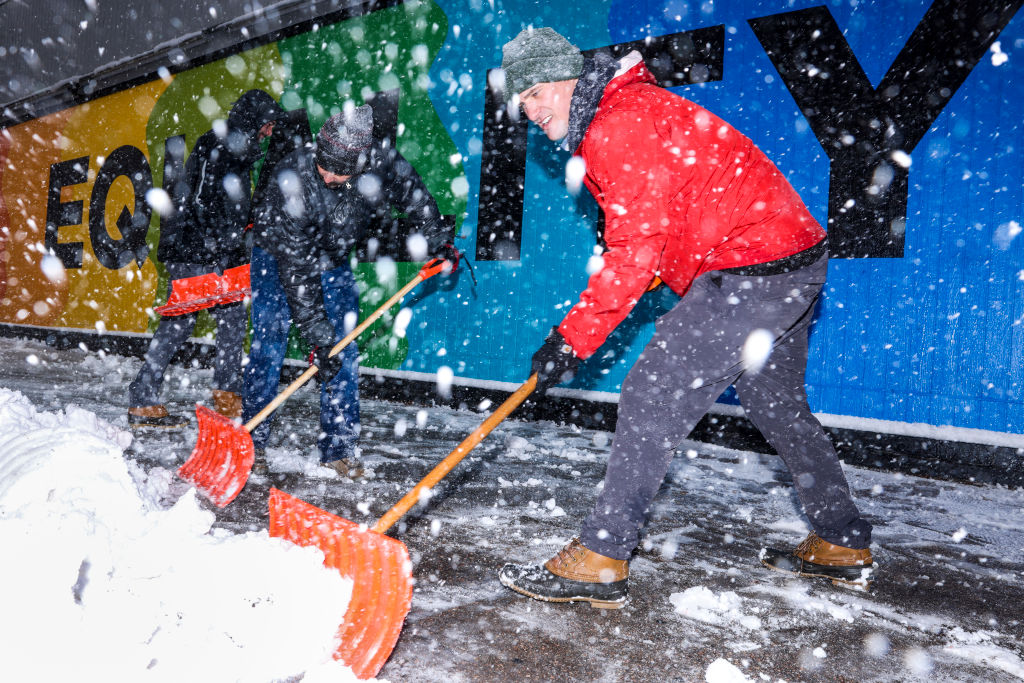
(116, 571)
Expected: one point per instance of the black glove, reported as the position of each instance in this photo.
(328, 367)
(554, 362)
(449, 253)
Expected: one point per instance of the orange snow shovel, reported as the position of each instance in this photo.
(203, 291)
(222, 459)
(378, 565)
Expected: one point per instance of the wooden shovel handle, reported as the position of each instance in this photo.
(428, 270)
(456, 456)
(463, 449)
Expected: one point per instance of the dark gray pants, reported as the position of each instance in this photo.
(174, 331)
(695, 354)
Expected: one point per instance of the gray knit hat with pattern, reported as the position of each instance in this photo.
(344, 141)
(538, 55)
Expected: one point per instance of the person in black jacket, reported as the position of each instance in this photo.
(323, 200)
(206, 233)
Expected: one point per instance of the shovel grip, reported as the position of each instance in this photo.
(312, 370)
(456, 456)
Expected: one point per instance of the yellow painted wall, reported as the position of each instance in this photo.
(39, 291)
(98, 294)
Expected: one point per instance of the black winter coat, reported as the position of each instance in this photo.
(212, 193)
(310, 228)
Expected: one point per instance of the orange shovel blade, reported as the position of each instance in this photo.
(222, 459)
(378, 566)
(203, 291)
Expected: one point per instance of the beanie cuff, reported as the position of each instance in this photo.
(527, 73)
(342, 161)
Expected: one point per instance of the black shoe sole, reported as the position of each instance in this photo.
(598, 603)
(842, 577)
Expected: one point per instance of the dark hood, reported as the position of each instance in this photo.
(251, 111)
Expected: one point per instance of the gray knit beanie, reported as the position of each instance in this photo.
(538, 55)
(344, 141)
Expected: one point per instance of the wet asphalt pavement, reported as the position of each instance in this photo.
(947, 605)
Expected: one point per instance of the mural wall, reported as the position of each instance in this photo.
(899, 123)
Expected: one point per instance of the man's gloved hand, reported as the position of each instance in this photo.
(328, 366)
(554, 362)
(449, 253)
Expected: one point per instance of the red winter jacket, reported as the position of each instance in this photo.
(683, 193)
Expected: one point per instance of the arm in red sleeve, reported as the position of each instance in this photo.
(636, 175)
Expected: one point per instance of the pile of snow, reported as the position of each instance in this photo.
(723, 671)
(101, 583)
(703, 604)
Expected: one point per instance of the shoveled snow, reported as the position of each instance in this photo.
(107, 584)
(704, 605)
(723, 671)
(978, 647)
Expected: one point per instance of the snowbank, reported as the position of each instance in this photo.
(100, 583)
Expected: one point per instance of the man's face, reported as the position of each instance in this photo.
(265, 130)
(547, 105)
(332, 179)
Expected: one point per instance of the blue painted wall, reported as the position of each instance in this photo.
(933, 337)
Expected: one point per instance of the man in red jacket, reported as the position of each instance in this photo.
(690, 200)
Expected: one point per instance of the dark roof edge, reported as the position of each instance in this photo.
(185, 52)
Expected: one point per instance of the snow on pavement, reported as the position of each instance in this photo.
(946, 607)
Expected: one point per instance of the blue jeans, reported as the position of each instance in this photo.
(271, 320)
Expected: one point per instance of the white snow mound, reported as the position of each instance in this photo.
(106, 585)
(723, 671)
(702, 604)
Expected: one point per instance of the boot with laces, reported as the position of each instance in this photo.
(154, 416)
(259, 461)
(348, 468)
(227, 403)
(574, 574)
(816, 557)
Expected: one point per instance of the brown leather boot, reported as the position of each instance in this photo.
(259, 461)
(816, 557)
(227, 403)
(154, 416)
(575, 573)
(346, 467)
